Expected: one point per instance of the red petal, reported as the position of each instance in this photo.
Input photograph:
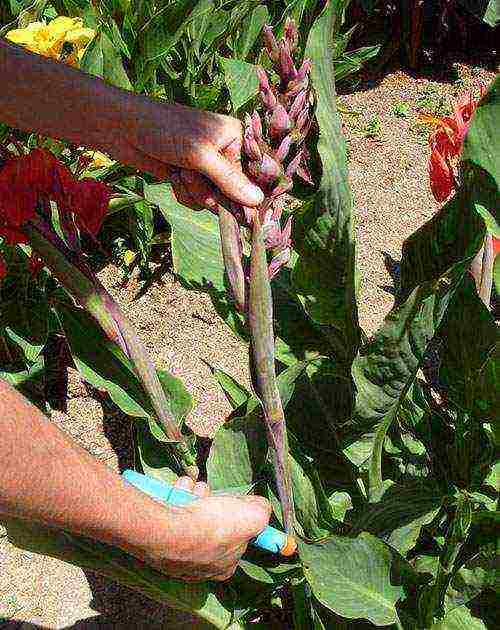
(89, 201)
(441, 177)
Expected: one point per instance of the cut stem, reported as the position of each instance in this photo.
(80, 281)
(260, 317)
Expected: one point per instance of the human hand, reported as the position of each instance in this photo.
(207, 538)
(187, 146)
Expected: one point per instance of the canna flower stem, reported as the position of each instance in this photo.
(79, 280)
(232, 255)
(260, 318)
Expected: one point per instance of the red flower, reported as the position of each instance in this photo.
(89, 200)
(496, 247)
(446, 144)
(35, 264)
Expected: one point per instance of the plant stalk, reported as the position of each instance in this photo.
(260, 317)
(232, 253)
(79, 280)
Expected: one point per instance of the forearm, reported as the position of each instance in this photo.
(47, 478)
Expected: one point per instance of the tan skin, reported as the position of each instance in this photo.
(45, 476)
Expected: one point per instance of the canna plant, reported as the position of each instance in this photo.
(385, 468)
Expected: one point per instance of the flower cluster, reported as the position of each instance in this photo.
(446, 145)
(30, 182)
(64, 38)
(273, 145)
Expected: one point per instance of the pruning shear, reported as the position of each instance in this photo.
(270, 539)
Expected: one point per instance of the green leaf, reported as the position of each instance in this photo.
(460, 618)
(102, 59)
(101, 362)
(353, 577)
(399, 516)
(469, 354)
(241, 81)
(323, 233)
(235, 393)
(154, 459)
(198, 598)
(251, 30)
(142, 228)
(387, 366)
(196, 250)
(353, 61)
(486, 10)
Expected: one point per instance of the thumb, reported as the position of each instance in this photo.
(256, 514)
(230, 179)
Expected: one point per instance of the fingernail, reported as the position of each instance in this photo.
(253, 194)
(184, 483)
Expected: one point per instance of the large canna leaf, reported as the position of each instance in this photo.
(386, 368)
(354, 577)
(323, 233)
(469, 353)
(198, 598)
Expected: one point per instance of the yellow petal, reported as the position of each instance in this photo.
(80, 36)
(99, 159)
(20, 36)
(62, 24)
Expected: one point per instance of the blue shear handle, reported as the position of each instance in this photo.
(270, 539)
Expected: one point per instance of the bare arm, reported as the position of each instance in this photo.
(61, 102)
(47, 478)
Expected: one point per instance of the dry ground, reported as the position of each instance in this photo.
(388, 171)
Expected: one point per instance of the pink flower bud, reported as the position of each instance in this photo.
(298, 104)
(288, 71)
(291, 34)
(304, 70)
(271, 43)
(257, 126)
(291, 169)
(284, 148)
(284, 186)
(266, 171)
(280, 121)
(263, 79)
(278, 261)
(303, 119)
(250, 145)
(304, 173)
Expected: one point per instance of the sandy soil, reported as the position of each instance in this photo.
(388, 171)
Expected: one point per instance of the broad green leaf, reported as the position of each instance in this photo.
(251, 31)
(235, 393)
(198, 598)
(102, 59)
(323, 234)
(399, 516)
(142, 228)
(352, 61)
(154, 459)
(241, 80)
(238, 453)
(481, 152)
(239, 450)
(486, 10)
(30, 382)
(196, 250)
(460, 618)
(386, 368)
(353, 577)
(101, 362)
(469, 354)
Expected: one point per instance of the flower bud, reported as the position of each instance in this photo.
(303, 119)
(278, 261)
(304, 70)
(271, 43)
(284, 148)
(288, 71)
(250, 145)
(291, 34)
(280, 121)
(256, 126)
(291, 169)
(298, 104)
(284, 186)
(266, 171)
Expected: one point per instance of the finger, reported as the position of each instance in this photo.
(201, 489)
(225, 576)
(229, 177)
(185, 483)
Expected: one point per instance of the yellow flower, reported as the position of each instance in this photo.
(99, 159)
(49, 39)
